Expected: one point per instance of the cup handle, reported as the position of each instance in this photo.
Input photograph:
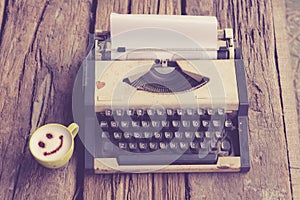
(73, 128)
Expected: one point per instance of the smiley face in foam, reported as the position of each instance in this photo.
(52, 145)
(50, 136)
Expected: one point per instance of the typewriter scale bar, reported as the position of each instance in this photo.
(224, 164)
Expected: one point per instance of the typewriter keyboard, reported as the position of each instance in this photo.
(191, 136)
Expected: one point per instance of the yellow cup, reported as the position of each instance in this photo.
(52, 145)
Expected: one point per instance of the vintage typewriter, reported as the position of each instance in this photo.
(165, 110)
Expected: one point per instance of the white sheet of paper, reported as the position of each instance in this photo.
(165, 32)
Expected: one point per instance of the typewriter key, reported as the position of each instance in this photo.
(103, 124)
(228, 123)
(194, 145)
(210, 111)
(114, 124)
(221, 111)
(162, 145)
(165, 123)
(203, 145)
(153, 145)
(117, 135)
(150, 112)
(130, 112)
(178, 135)
(186, 124)
(225, 146)
(184, 145)
(199, 134)
(119, 112)
(123, 145)
(213, 144)
(132, 146)
(168, 135)
(108, 112)
(127, 135)
(135, 124)
(200, 111)
(145, 124)
(190, 111)
(137, 135)
(208, 134)
(140, 112)
(157, 135)
(188, 135)
(104, 134)
(173, 145)
(155, 124)
(143, 146)
(175, 123)
(160, 112)
(148, 134)
(218, 134)
(170, 112)
(180, 111)
(205, 123)
(124, 124)
(196, 123)
(216, 123)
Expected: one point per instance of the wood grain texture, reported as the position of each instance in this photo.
(169, 186)
(288, 97)
(105, 7)
(103, 182)
(145, 7)
(41, 48)
(269, 176)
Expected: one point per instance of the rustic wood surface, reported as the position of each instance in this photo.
(42, 45)
(288, 98)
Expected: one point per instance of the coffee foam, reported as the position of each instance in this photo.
(50, 148)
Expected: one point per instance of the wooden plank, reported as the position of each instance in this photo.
(170, 7)
(268, 177)
(288, 96)
(135, 186)
(169, 186)
(40, 55)
(105, 7)
(100, 181)
(145, 7)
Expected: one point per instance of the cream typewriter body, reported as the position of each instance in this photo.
(160, 111)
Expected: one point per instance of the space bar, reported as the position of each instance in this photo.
(167, 159)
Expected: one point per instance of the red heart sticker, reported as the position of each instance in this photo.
(100, 84)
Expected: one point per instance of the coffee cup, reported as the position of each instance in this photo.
(52, 145)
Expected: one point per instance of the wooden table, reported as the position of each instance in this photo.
(42, 45)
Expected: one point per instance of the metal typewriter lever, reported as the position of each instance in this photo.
(168, 79)
(167, 159)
